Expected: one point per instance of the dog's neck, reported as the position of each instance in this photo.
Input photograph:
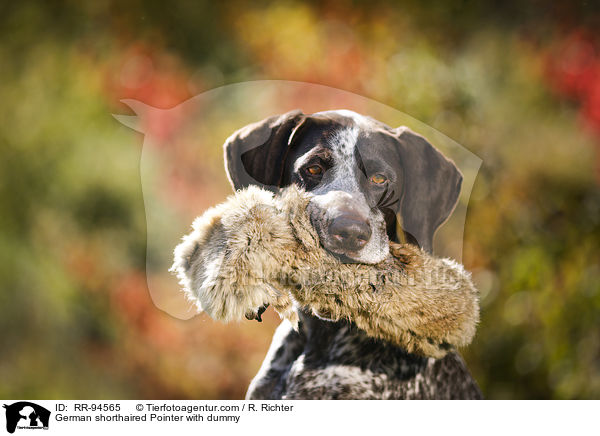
(321, 335)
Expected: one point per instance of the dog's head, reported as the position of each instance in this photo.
(369, 183)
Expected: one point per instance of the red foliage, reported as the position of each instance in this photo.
(573, 70)
(149, 75)
(153, 77)
(574, 65)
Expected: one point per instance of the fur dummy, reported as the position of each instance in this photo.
(258, 249)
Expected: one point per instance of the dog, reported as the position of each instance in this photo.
(370, 184)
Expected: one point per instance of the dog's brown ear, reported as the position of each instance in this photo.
(255, 154)
(431, 186)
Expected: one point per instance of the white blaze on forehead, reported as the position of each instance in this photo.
(344, 140)
(343, 145)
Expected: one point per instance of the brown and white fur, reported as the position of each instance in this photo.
(258, 249)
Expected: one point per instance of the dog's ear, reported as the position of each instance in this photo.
(431, 186)
(255, 154)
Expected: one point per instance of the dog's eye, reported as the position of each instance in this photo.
(378, 179)
(315, 170)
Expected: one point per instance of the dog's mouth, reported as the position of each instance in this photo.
(344, 257)
(330, 243)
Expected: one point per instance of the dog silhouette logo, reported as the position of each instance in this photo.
(26, 415)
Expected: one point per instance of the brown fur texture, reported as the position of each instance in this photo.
(258, 248)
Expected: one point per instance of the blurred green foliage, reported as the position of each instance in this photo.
(77, 318)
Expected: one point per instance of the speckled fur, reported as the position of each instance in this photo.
(336, 360)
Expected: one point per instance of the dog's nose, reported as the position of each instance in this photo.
(350, 232)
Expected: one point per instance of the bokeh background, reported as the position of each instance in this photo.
(516, 83)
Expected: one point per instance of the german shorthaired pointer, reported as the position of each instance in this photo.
(371, 184)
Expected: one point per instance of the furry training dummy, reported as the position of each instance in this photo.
(258, 249)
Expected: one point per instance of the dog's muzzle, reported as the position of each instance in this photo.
(349, 232)
(342, 223)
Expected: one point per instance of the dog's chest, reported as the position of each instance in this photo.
(350, 365)
(336, 381)
(327, 360)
